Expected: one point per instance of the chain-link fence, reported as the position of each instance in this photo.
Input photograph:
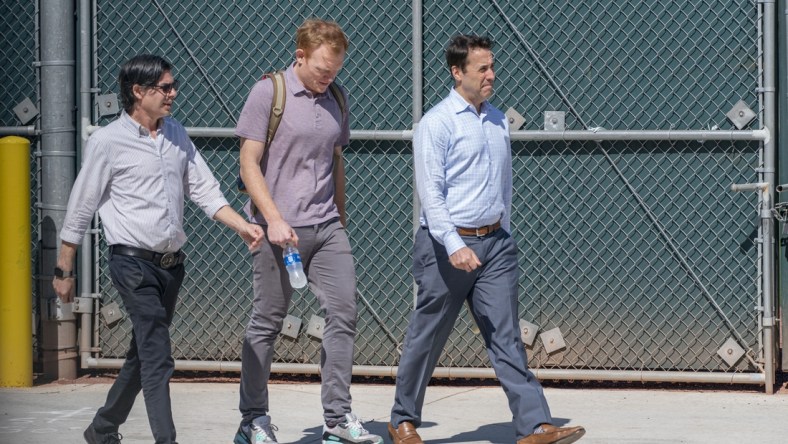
(635, 250)
(18, 81)
(627, 291)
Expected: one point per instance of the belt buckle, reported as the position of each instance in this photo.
(168, 260)
(479, 232)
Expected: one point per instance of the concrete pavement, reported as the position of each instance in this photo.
(207, 413)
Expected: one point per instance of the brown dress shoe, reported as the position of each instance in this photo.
(405, 433)
(554, 435)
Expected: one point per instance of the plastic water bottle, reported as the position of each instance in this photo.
(295, 269)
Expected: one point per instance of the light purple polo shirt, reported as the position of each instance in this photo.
(298, 165)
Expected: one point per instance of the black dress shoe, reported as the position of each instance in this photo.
(93, 437)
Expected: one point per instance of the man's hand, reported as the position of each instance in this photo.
(280, 233)
(464, 259)
(64, 288)
(253, 235)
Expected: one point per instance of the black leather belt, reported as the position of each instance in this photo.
(163, 260)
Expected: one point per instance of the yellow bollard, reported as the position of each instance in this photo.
(16, 307)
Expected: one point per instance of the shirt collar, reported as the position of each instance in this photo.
(459, 104)
(135, 127)
(294, 85)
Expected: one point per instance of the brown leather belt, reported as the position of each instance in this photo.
(163, 260)
(479, 232)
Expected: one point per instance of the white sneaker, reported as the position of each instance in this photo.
(351, 431)
(260, 431)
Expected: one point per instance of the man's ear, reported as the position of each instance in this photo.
(137, 91)
(300, 55)
(456, 73)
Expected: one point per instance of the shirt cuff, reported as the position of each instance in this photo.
(71, 237)
(212, 208)
(453, 242)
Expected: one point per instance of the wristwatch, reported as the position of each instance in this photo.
(60, 274)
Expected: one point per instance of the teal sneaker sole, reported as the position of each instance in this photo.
(240, 438)
(338, 440)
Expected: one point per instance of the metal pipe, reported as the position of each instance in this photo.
(417, 110)
(537, 136)
(417, 60)
(759, 172)
(381, 135)
(770, 158)
(474, 373)
(96, 238)
(758, 186)
(781, 128)
(18, 130)
(58, 103)
(85, 119)
(665, 135)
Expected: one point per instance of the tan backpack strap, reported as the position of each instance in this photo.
(277, 105)
(339, 97)
(275, 116)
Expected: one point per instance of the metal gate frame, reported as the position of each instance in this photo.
(765, 186)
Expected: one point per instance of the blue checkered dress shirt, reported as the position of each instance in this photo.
(463, 167)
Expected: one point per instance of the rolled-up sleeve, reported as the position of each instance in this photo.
(202, 187)
(89, 190)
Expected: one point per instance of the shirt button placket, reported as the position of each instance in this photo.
(315, 111)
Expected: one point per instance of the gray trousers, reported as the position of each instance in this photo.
(328, 263)
(491, 293)
(149, 295)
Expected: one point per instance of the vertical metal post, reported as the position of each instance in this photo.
(85, 116)
(418, 61)
(96, 245)
(782, 138)
(57, 176)
(770, 155)
(418, 101)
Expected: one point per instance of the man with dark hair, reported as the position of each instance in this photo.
(297, 193)
(136, 172)
(463, 251)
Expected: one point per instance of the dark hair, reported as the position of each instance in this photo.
(143, 70)
(460, 45)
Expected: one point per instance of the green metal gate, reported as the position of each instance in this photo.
(638, 117)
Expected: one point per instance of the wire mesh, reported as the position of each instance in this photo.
(17, 82)
(650, 65)
(635, 250)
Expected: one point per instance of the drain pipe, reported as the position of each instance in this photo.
(781, 129)
(418, 104)
(768, 89)
(57, 176)
(86, 252)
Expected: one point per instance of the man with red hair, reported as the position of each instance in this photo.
(297, 193)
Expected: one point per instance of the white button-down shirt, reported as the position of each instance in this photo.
(138, 183)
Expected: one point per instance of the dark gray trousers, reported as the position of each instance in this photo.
(149, 295)
(491, 293)
(328, 264)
